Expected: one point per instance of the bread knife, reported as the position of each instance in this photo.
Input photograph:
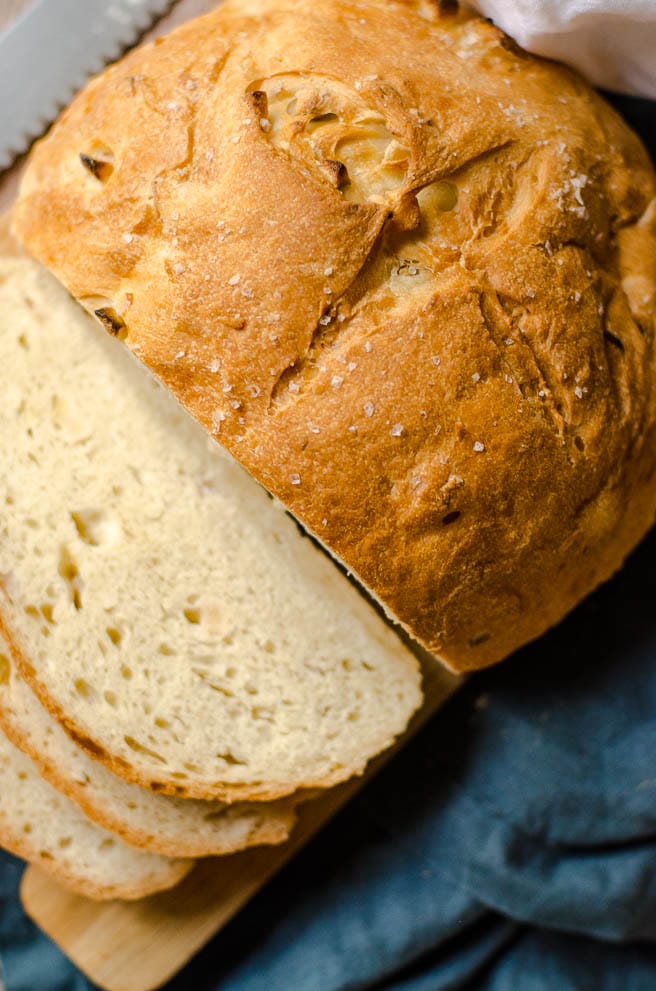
(47, 55)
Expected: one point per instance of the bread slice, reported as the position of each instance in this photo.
(171, 826)
(42, 826)
(161, 605)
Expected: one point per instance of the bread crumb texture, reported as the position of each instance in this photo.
(42, 826)
(373, 247)
(172, 826)
(160, 604)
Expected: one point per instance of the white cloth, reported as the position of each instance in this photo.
(612, 42)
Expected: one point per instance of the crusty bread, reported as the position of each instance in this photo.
(403, 271)
(42, 826)
(161, 605)
(175, 827)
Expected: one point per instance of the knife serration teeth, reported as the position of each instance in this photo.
(103, 30)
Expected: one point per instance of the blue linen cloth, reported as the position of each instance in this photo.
(510, 847)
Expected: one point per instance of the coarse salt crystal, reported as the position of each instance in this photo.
(353, 429)
(253, 390)
(367, 346)
(179, 268)
(508, 341)
(265, 124)
(128, 238)
(247, 121)
(436, 360)
(541, 393)
(328, 270)
(336, 381)
(227, 388)
(294, 387)
(325, 320)
(369, 409)
(209, 154)
(327, 290)
(295, 479)
(476, 377)
(578, 392)
(352, 365)
(218, 416)
(397, 430)
(314, 429)
(214, 364)
(235, 404)
(509, 379)
(234, 280)
(324, 522)
(479, 446)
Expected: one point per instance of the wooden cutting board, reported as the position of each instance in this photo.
(139, 946)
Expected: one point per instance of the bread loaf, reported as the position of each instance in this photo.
(42, 826)
(403, 271)
(163, 608)
(172, 826)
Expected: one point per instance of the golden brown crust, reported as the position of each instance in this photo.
(404, 272)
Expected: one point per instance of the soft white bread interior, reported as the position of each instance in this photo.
(39, 824)
(172, 826)
(160, 604)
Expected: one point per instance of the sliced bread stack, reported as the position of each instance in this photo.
(179, 663)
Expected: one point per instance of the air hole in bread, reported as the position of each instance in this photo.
(110, 699)
(161, 723)
(230, 758)
(69, 571)
(23, 341)
(107, 844)
(192, 615)
(95, 527)
(579, 443)
(347, 664)
(5, 669)
(269, 646)
(47, 612)
(32, 523)
(114, 635)
(166, 650)
(84, 689)
(139, 748)
(126, 672)
(27, 828)
(65, 842)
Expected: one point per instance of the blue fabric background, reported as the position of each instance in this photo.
(510, 847)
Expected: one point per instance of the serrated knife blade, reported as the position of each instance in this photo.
(47, 55)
